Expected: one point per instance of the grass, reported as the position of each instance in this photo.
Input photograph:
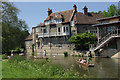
(0, 70)
(18, 67)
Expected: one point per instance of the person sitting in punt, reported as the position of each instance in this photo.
(82, 61)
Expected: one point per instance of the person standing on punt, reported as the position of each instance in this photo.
(89, 57)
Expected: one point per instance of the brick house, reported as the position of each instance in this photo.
(58, 27)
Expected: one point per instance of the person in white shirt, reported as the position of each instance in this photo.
(44, 52)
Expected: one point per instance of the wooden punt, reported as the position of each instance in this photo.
(85, 64)
(39, 57)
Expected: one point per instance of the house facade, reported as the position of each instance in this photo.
(108, 37)
(58, 27)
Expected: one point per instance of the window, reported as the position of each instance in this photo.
(92, 31)
(64, 29)
(44, 31)
(58, 29)
(105, 22)
(56, 14)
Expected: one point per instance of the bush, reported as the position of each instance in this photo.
(32, 53)
(82, 55)
(4, 56)
(65, 54)
(79, 55)
(17, 58)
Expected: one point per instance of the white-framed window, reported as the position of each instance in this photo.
(65, 29)
(53, 21)
(56, 14)
(92, 31)
(48, 22)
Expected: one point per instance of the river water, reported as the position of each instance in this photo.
(104, 67)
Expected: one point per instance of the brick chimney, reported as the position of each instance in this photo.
(75, 8)
(49, 11)
(85, 10)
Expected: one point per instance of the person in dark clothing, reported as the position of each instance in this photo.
(89, 57)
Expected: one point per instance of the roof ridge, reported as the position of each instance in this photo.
(64, 11)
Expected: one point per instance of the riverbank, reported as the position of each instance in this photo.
(21, 68)
(59, 67)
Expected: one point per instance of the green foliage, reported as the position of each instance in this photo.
(16, 59)
(65, 54)
(83, 40)
(82, 55)
(17, 50)
(35, 53)
(79, 55)
(14, 30)
(112, 11)
(35, 69)
(4, 56)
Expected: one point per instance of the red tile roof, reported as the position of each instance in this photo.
(65, 15)
(80, 18)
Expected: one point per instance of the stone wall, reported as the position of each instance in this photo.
(54, 45)
(28, 46)
(82, 28)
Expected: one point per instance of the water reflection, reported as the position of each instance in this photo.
(104, 67)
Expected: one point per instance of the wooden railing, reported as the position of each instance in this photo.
(106, 38)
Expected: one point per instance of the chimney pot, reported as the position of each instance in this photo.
(85, 10)
(75, 7)
(49, 11)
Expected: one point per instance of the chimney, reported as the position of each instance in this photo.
(49, 11)
(85, 10)
(75, 8)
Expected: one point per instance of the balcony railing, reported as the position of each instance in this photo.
(53, 34)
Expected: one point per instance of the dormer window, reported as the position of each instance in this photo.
(56, 14)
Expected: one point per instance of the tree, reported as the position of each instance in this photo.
(112, 11)
(14, 30)
(83, 40)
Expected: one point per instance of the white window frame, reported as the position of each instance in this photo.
(65, 28)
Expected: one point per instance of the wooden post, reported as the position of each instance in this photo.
(117, 30)
(98, 34)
